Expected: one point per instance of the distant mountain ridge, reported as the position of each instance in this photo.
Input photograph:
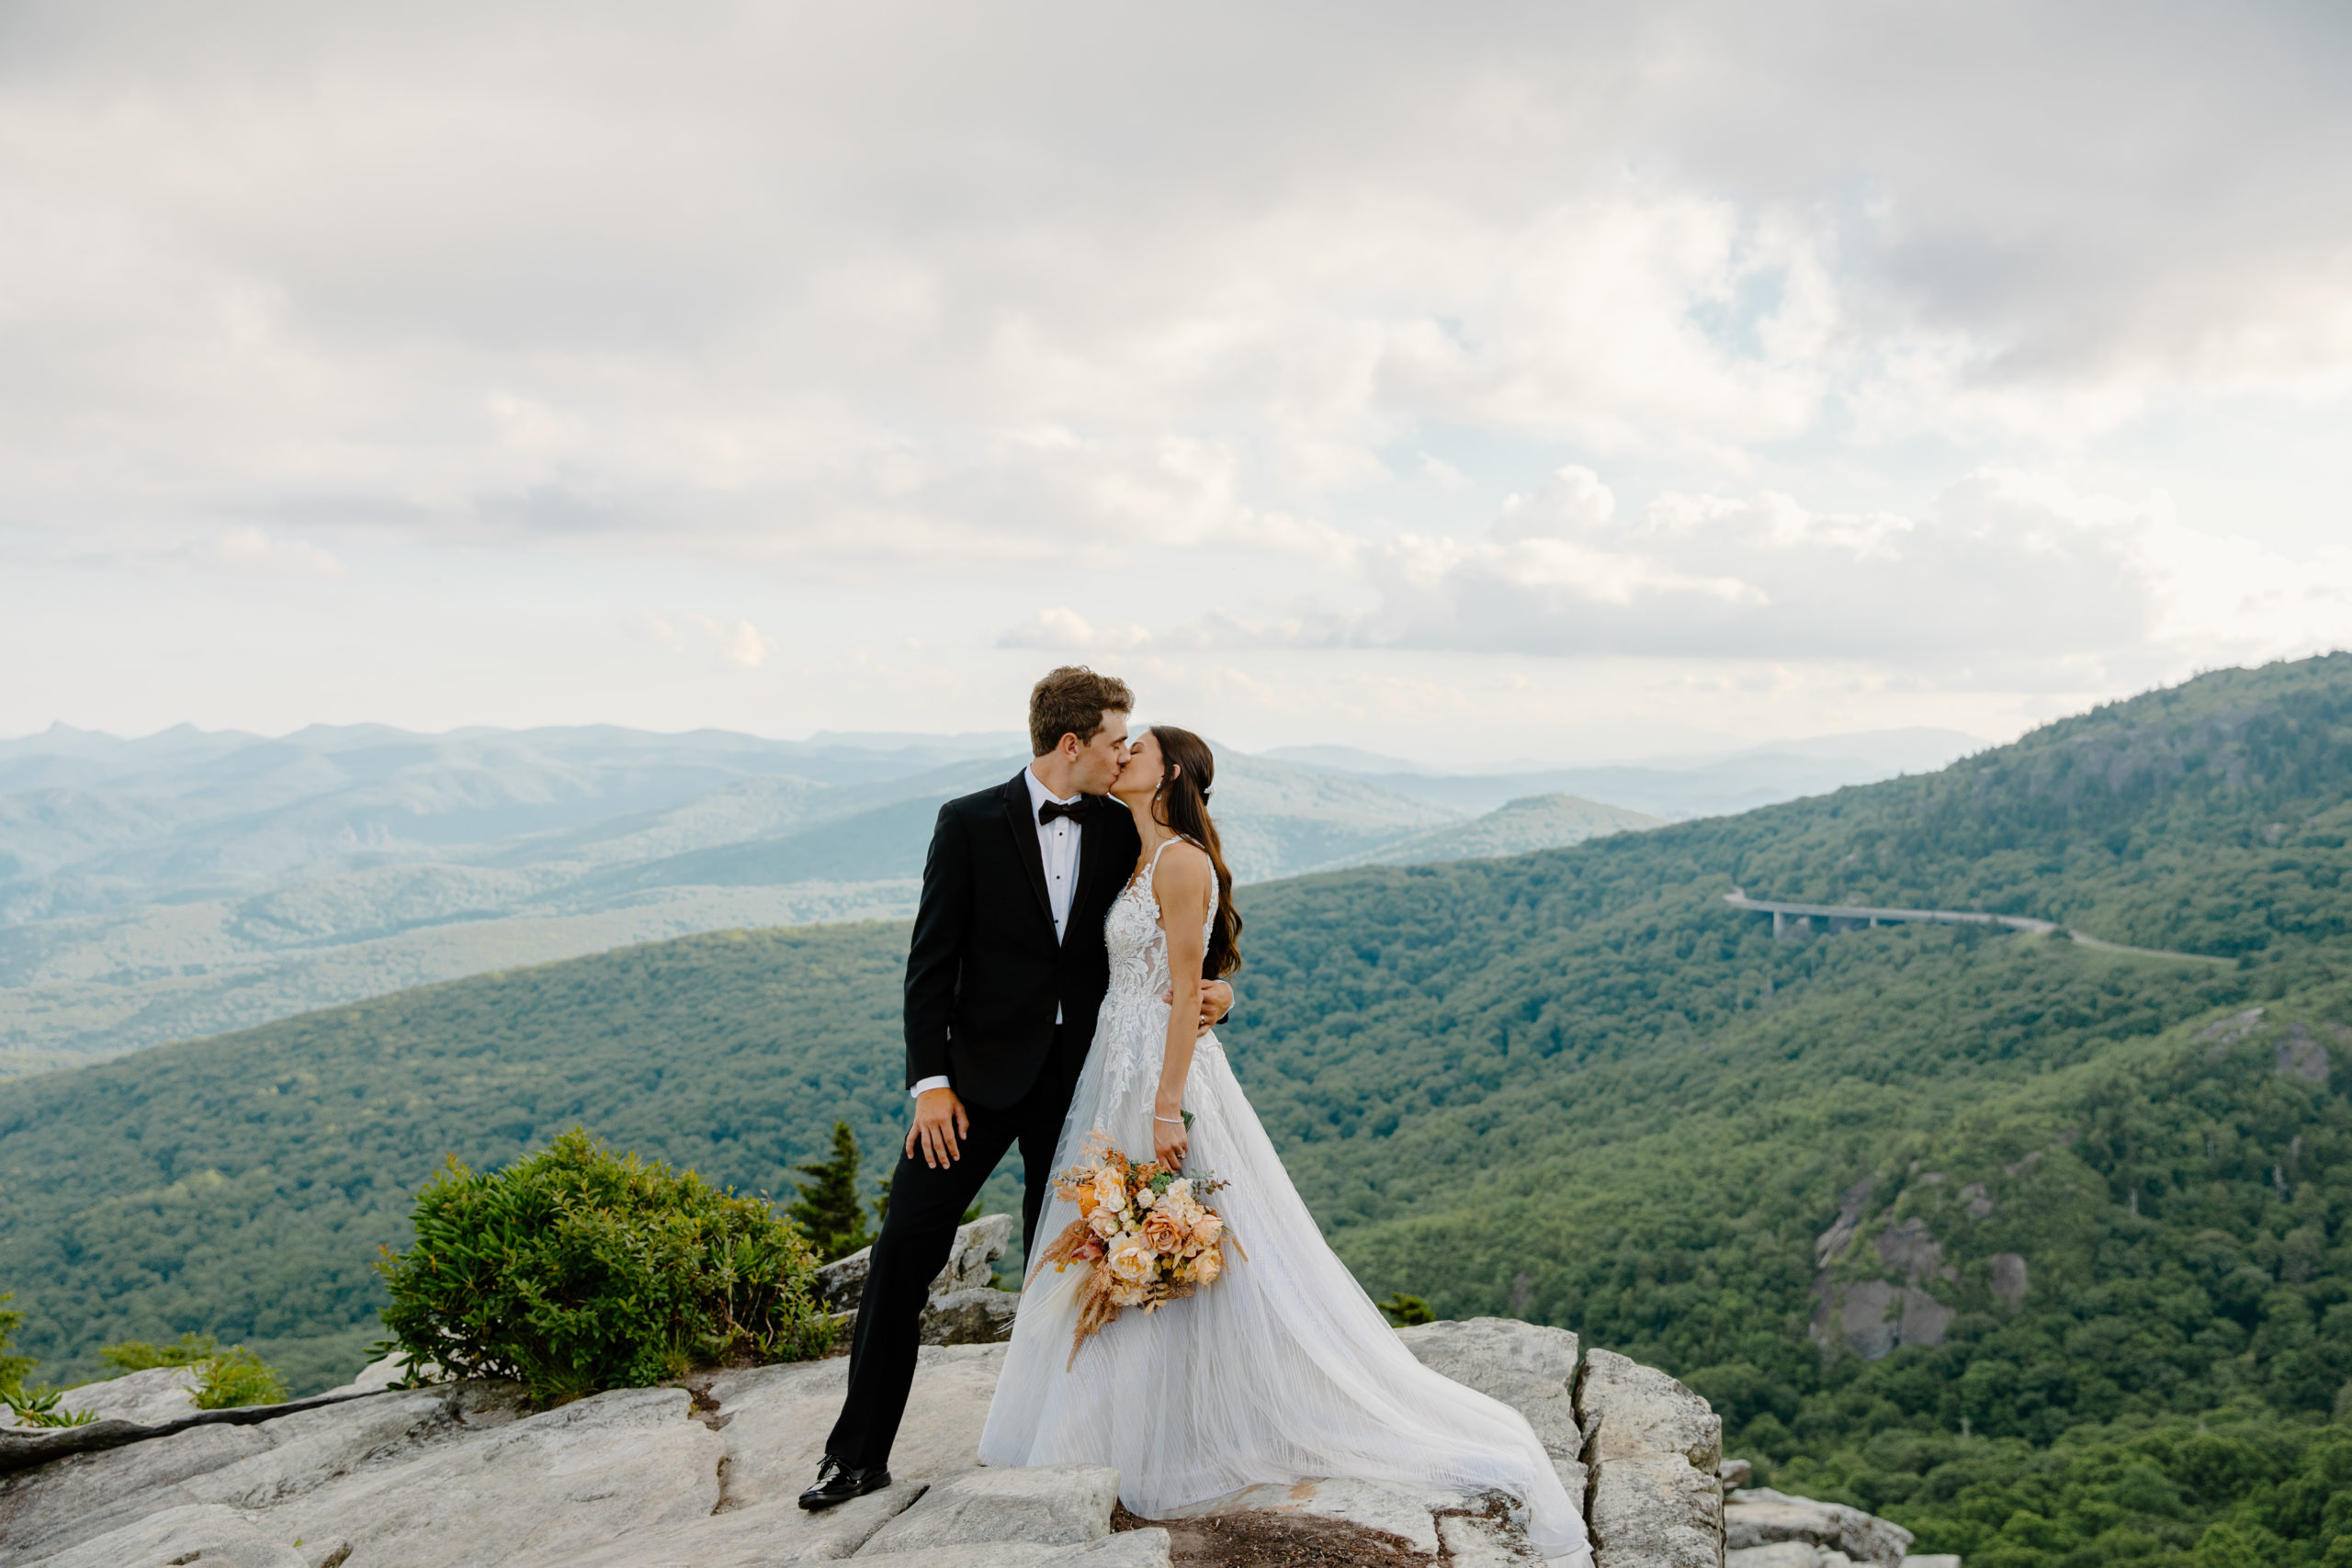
(1516, 827)
(191, 882)
(1718, 784)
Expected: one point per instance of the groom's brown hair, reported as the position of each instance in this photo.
(1071, 701)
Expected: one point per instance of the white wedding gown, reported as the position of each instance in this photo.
(1284, 1369)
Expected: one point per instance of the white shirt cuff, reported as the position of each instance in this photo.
(937, 1081)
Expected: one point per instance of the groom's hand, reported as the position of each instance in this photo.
(939, 1121)
(1216, 1001)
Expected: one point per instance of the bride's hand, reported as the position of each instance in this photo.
(1169, 1142)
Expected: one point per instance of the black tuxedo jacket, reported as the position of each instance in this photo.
(983, 972)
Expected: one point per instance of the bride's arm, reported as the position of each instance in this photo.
(1180, 884)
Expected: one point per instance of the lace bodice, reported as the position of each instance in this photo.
(1134, 1028)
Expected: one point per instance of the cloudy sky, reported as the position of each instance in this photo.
(1555, 381)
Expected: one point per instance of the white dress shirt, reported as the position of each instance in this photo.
(1057, 845)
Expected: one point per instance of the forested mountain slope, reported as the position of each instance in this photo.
(1911, 1204)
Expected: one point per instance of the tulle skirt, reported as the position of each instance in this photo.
(1282, 1370)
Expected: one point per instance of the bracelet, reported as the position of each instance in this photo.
(1178, 1120)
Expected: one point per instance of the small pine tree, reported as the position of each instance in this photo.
(828, 1210)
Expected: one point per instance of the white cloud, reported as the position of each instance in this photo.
(742, 645)
(738, 644)
(2009, 569)
(250, 550)
(245, 552)
(855, 338)
(1062, 629)
(618, 281)
(1442, 474)
(1570, 503)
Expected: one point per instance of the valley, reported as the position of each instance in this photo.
(1960, 1222)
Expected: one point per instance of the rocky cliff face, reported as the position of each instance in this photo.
(706, 1474)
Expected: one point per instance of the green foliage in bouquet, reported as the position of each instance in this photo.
(575, 1270)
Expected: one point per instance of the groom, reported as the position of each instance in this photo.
(1004, 977)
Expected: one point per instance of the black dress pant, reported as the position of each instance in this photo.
(926, 1205)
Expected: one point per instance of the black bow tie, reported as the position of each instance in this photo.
(1075, 810)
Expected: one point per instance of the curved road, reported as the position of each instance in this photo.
(1738, 899)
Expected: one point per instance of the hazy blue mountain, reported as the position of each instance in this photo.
(167, 817)
(193, 881)
(188, 883)
(1707, 784)
(1521, 827)
(1343, 759)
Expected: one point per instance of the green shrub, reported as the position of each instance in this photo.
(1406, 1310)
(138, 1355)
(12, 1368)
(225, 1379)
(235, 1378)
(37, 1408)
(31, 1406)
(574, 1269)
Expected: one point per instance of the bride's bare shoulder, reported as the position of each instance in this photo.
(1183, 866)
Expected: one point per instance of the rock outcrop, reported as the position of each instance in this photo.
(1654, 1447)
(966, 1307)
(1760, 1523)
(705, 1475)
(150, 1398)
(1529, 1367)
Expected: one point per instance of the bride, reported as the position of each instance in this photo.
(1283, 1370)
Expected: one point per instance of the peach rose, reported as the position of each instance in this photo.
(1110, 1190)
(1163, 1231)
(1209, 1266)
(1103, 1222)
(1131, 1261)
(1207, 1228)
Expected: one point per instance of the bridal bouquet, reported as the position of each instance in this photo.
(1144, 1234)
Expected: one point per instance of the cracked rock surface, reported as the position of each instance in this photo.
(1530, 1368)
(1760, 1518)
(706, 1476)
(150, 1397)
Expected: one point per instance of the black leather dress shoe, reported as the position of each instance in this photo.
(838, 1483)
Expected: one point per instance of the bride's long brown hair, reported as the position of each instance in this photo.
(1187, 772)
